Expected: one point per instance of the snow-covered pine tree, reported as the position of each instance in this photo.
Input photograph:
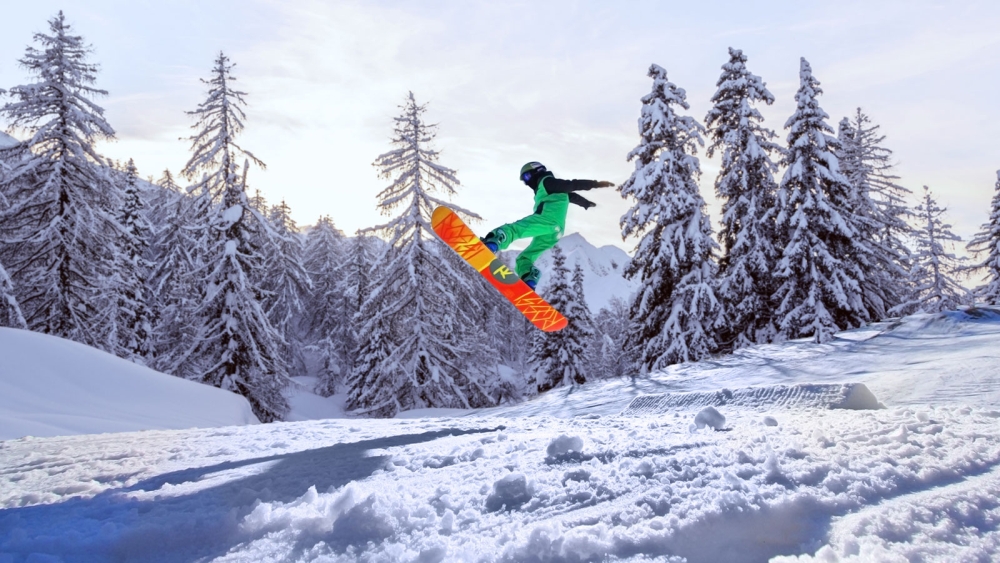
(326, 324)
(286, 283)
(58, 232)
(10, 311)
(134, 322)
(932, 283)
(259, 203)
(167, 182)
(366, 353)
(675, 310)
(613, 324)
(559, 356)
(421, 300)
(819, 290)
(235, 348)
(171, 284)
(878, 213)
(987, 241)
(582, 326)
(747, 188)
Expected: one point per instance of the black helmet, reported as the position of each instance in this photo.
(530, 170)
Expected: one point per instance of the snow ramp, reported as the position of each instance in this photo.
(853, 396)
(947, 323)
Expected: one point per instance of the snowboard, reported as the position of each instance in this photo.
(453, 231)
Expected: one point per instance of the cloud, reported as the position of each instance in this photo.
(510, 82)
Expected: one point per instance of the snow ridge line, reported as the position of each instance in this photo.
(852, 396)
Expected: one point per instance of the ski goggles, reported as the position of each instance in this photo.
(527, 176)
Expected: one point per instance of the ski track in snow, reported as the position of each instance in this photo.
(783, 480)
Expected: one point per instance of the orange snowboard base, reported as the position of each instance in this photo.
(460, 237)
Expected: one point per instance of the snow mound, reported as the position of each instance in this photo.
(711, 418)
(510, 492)
(942, 324)
(55, 387)
(853, 396)
(564, 448)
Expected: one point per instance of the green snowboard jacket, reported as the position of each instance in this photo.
(548, 223)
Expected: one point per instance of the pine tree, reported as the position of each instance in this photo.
(286, 283)
(134, 323)
(932, 282)
(173, 288)
(613, 324)
(365, 351)
(582, 326)
(259, 203)
(327, 324)
(819, 290)
(167, 182)
(236, 348)
(58, 230)
(420, 301)
(747, 188)
(10, 311)
(877, 213)
(559, 357)
(675, 309)
(987, 241)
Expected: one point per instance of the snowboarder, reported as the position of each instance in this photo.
(547, 223)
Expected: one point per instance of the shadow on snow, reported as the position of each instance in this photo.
(191, 513)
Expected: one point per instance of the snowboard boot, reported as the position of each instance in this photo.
(531, 277)
(494, 239)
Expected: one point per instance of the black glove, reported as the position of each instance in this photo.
(581, 201)
(605, 184)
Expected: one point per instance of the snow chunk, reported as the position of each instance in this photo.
(581, 475)
(564, 448)
(361, 524)
(770, 421)
(509, 493)
(711, 418)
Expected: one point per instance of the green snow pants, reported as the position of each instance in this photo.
(544, 233)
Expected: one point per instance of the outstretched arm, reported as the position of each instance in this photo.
(557, 186)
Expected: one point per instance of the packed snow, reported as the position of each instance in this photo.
(881, 445)
(55, 387)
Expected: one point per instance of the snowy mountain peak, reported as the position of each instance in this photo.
(603, 270)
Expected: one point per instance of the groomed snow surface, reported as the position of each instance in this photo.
(685, 465)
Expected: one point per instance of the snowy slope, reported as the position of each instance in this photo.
(951, 358)
(54, 387)
(632, 470)
(603, 270)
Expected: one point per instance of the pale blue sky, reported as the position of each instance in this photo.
(509, 82)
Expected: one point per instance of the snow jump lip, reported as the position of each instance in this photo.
(851, 396)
